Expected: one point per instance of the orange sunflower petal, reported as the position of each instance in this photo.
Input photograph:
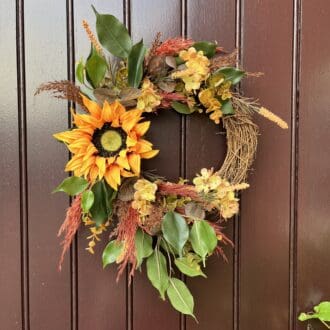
(142, 128)
(130, 118)
(93, 173)
(130, 142)
(100, 162)
(135, 163)
(93, 108)
(107, 112)
(143, 146)
(67, 136)
(87, 121)
(118, 110)
(112, 176)
(126, 174)
(149, 154)
(123, 162)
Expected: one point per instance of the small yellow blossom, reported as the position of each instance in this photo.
(197, 68)
(224, 91)
(149, 99)
(206, 181)
(95, 232)
(211, 103)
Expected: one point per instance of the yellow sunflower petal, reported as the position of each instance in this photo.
(143, 146)
(135, 163)
(87, 121)
(107, 112)
(67, 136)
(89, 151)
(100, 162)
(149, 154)
(126, 174)
(93, 108)
(130, 118)
(130, 142)
(142, 128)
(123, 162)
(112, 176)
(93, 173)
(118, 110)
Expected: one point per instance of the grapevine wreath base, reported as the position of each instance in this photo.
(148, 218)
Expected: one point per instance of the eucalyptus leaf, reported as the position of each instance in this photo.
(72, 185)
(143, 246)
(80, 72)
(180, 297)
(87, 200)
(157, 272)
(175, 231)
(189, 266)
(96, 68)
(111, 252)
(203, 238)
(113, 35)
(182, 108)
(232, 74)
(208, 48)
(135, 64)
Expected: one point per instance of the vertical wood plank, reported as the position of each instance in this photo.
(205, 147)
(314, 159)
(45, 40)
(10, 254)
(265, 214)
(101, 301)
(147, 18)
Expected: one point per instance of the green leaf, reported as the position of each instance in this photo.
(233, 74)
(103, 199)
(80, 72)
(203, 238)
(87, 200)
(180, 297)
(143, 246)
(135, 64)
(113, 35)
(157, 272)
(208, 48)
(322, 312)
(189, 266)
(111, 252)
(175, 230)
(227, 107)
(72, 186)
(96, 68)
(182, 108)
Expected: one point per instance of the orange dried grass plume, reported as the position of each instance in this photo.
(173, 46)
(69, 227)
(184, 190)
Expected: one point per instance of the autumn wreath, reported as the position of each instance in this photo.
(148, 218)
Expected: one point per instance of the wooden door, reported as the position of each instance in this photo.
(280, 265)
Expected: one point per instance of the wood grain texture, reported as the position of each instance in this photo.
(265, 213)
(10, 254)
(101, 301)
(205, 147)
(45, 25)
(149, 311)
(313, 266)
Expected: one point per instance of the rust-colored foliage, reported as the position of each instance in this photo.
(173, 46)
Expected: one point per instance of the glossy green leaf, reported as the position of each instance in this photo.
(227, 107)
(111, 252)
(322, 312)
(113, 35)
(87, 200)
(189, 266)
(182, 108)
(80, 72)
(175, 231)
(103, 199)
(96, 68)
(232, 74)
(180, 297)
(143, 246)
(208, 48)
(72, 185)
(135, 64)
(157, 272)
(203, 238)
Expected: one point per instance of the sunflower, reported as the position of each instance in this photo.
(107, 143)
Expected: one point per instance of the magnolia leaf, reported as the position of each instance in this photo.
(72, 186)
(170, 61)
(194, 210)
(143, 246)
(111, 252)
(96, 68)
(208, 48)
(175, 230)
(180, 297)
(232, 74)
(157, 272)
(80, 72)
(203, 238)
(113, 35)
(182, 108)
(227, 107)
(167, 86)
(129, 93)
(189, 266)
(135, 64)
(87, 200)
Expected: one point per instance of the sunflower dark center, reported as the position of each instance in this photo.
(109, 140)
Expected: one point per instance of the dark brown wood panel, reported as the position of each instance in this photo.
(101, 301)
(313, 266)
(10, 255)
(149, 311)
(205, 147)
(45, 56)
(267, 29)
